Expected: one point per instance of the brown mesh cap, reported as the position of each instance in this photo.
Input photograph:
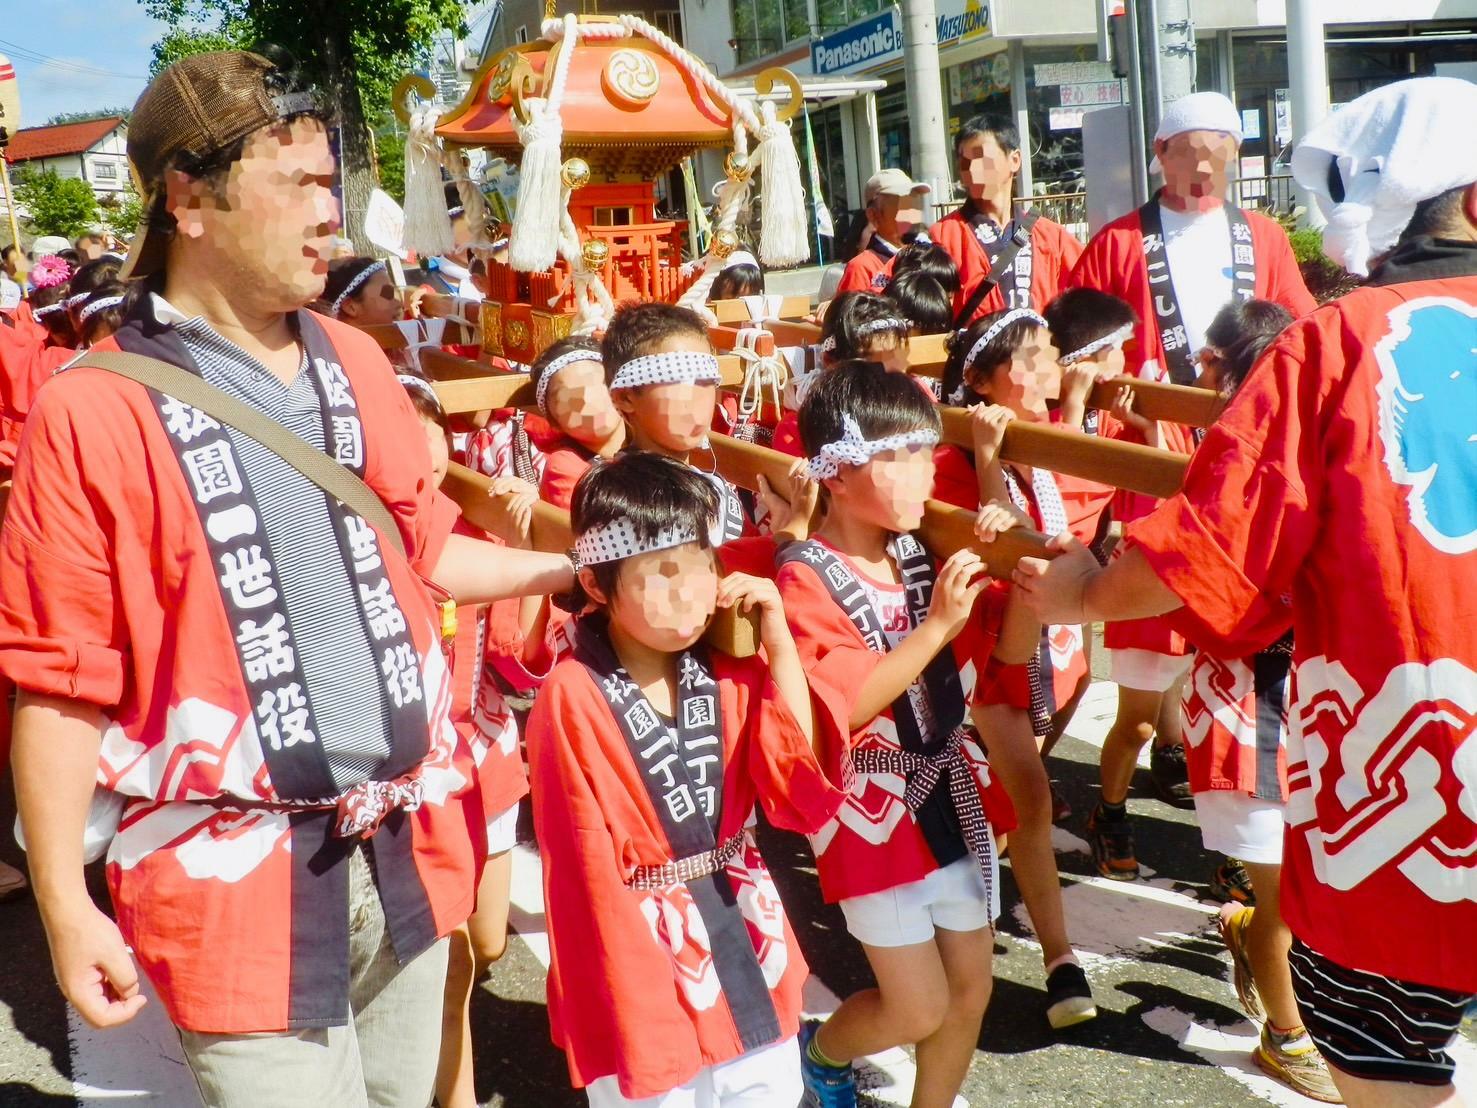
(197, 107)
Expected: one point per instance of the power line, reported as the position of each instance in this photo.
(35, 57)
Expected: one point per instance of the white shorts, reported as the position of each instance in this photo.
(502, 831)
(762, 1078)
(1241, 825)
(952, 898)
(1146, 670)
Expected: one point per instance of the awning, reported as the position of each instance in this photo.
(817, 90)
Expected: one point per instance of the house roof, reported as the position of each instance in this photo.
(65, 138)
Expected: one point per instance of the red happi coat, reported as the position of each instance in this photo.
(1343, 476)
(874, 842)
(632, 988)
(219, 901)
(1235, 740)
(869, 271)
(1054, 251)
(27, 359)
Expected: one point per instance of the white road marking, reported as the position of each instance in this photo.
(138, 1063)
(1229, 1048)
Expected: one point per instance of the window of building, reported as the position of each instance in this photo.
(835, 14)
(669, 23)
(105, 171)
(520, 36)
(763, 27)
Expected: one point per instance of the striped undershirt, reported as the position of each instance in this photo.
(328, 627)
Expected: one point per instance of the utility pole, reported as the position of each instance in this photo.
(1307, 79)
(1166, 41)
(929, 143)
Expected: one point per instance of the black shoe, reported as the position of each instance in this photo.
(1068, 997)
(1171, 775)
(1112, 846)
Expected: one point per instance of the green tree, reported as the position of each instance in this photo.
(56, 205)
(354, 50)
(122, 212)
(83, 117)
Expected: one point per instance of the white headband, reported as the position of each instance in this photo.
(563, 361)
(59, 306)
(1015, 315)
(411, 381)
(876, 325)
(853, 449)
(353, 286)
(617, 540)
(72, 301)
(685, 366)
(828, 345)
(101, 304)
(1113, 339)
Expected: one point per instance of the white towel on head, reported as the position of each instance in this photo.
(1199, 111)
(1394, 147)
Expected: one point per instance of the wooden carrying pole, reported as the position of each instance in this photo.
(732, 632)
(737, 311)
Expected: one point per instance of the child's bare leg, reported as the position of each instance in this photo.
(488, 926)
(907, 1006)
(944, 1057)
(1138, 712)
(1267, 942)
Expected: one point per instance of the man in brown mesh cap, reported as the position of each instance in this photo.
(249, 673)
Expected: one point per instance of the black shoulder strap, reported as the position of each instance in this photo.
(999, 266)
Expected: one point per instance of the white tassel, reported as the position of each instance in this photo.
(785, 237)
(535, 239)
(427, 224)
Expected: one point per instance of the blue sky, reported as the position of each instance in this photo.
(101, 52)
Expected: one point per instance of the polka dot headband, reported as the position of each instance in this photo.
(673, 367)
(1013, 316)
(617, 540)
(564, 361)
(101, 304)
(1112, 340)
(354, 285)
(853, 448)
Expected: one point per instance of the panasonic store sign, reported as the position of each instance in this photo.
(870, 42)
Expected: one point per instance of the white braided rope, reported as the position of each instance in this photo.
(854, 448)
(761, 372)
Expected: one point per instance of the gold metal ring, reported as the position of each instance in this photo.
(400, 97)
(764, 84)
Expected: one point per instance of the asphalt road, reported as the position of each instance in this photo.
(1169, 1032)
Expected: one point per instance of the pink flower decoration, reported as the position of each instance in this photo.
(50, 271)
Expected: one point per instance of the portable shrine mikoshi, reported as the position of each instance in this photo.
(593, 113)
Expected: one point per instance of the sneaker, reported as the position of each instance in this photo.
(1112, 847)
(1061, 807)
(1295, 1061)
(1231, 884)
(1233, 934)
(1068, 997)
(825, 1086)
(1170, 774)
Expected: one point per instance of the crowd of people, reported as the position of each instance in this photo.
(296, 702)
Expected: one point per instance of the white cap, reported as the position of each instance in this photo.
(1200, 111)
(1392, 148)
(49, 244)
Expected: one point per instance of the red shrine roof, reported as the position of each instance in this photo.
(30, 143)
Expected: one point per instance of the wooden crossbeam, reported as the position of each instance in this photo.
(732, 632)
(485, 392)
(1124, 465)
(736, 311)
(945, 529)
(441, 366)
(389, 337)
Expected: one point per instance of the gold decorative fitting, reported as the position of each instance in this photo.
(630, 78)
(400, 97)
(501, 81)
(491, 318)
(515, 334)
(724, 243)
(575, 173)
(764, 84)
(595, 252)
(737, 167)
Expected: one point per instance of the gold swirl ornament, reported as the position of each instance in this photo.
(630, 78)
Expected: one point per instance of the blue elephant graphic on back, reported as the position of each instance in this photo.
(1428, 416)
